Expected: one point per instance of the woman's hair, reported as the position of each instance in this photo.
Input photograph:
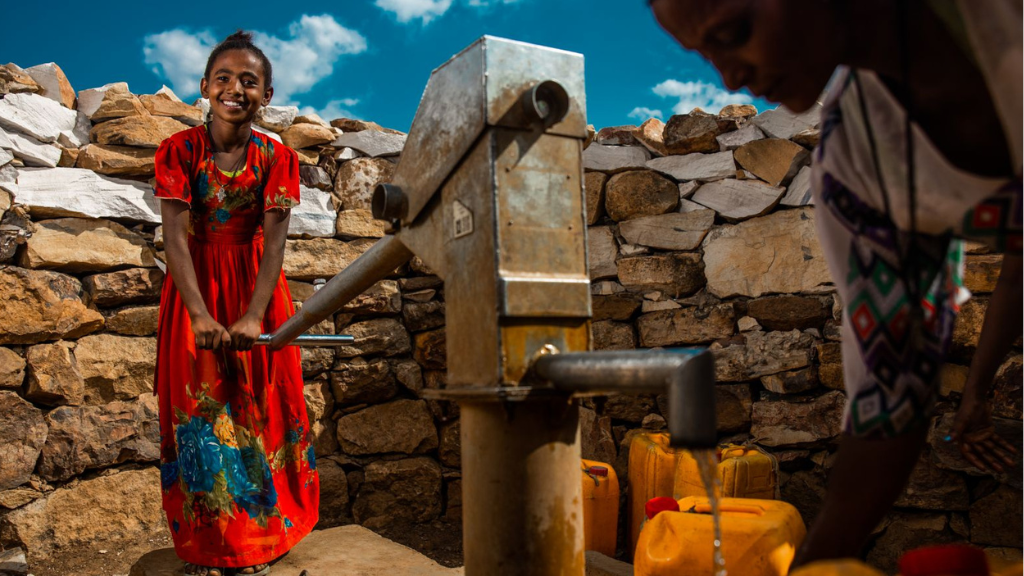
(241, 40)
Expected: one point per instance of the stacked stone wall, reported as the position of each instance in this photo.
(701, 233)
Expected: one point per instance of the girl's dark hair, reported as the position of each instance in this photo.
(241, 40)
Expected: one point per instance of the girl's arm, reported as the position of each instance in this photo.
(973, 429)
(209, 334)
(275, 231)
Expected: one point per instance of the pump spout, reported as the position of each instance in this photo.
(687, 376)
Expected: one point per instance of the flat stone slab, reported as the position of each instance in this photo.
(342, 551)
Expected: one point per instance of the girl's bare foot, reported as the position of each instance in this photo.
(257, 570)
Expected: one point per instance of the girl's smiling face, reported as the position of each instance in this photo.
(236, 87)
(782, 50)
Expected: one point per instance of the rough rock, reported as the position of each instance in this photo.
(967, 329)
(76, 192)
(650, 135)
(737, 138)
(132, 286)
(762, 354)
(334, 499)
(781, 123)
(299, 136)
(356, 179)
(602, 251)
(404, 426)
(138, 131)
(614, 159)
(830, 369)
(36, 116)
(420, 316)
(117, 160)
(14, 80)
(778, 253)
(808, 138)
(79, 245)
(614, 306)
(1006, 389)
(799, 191)
(53, 376)
(639, 193)
(432, 349)
(450, 449)
(733, 406)
(617, 136)
(594, 184)
(789, 423)
(609, 335)
(906, 531)
(359, 223)
(117, 104)
(738, 200)
(408, 374)
(793, 382)
(399, 492)
(362, 382)
(89, 100)
(686, 326)
(703, 167)
(690, 133)
(747, 324)
(629, 407)
(738, 111)
(31, 151)
(789, 312)
(931, 488)
(981, 273)
(676, 274)
(40, 305)
(383, 297)
(114, 508)
(87, 437)
(773, 160)
(276, 118)
(115, 367)
(596, 439)
(314, 216)
(675, 231)
(164, 105)
(22, 435)
(372, 143)
(805, 490)
(134, 321)
(316, 177)
(385, 336)
(12, 369)
(996, 518)
(317, 258)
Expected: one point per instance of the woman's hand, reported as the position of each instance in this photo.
(974, 432)
(244, 332)
(210, 335)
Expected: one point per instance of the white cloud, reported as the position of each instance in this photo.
(642, 113)
(699, 94)
(338, 108)
(179, 57)
(408, 10)
(307, 56)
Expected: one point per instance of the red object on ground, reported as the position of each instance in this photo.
(952, 560)
(597, 471)
(660, 504)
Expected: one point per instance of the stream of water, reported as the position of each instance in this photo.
(707, 464)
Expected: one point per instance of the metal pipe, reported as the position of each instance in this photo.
(686, 375)
(521, 488)
(309, 340)
(380, 260)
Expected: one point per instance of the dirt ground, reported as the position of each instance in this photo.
(440, 541)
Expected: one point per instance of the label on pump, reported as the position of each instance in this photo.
(463, 219)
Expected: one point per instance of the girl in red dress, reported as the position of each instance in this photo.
(239, 478)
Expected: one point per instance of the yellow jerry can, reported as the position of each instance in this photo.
(745, 472)
(759, 538)
(600, 507)
(651, 473)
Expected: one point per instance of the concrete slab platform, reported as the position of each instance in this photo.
(342, 551)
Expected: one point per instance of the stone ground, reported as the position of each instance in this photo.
(101, 559)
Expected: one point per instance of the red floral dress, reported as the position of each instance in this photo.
(239, 477)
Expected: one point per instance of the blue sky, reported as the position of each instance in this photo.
(368, 59)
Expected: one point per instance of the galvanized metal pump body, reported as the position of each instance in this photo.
(489, 194)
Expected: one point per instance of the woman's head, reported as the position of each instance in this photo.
(238, 79)
(782, 50)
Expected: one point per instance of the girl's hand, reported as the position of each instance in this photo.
(244, 332)
(979, 443)
(210, 335)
